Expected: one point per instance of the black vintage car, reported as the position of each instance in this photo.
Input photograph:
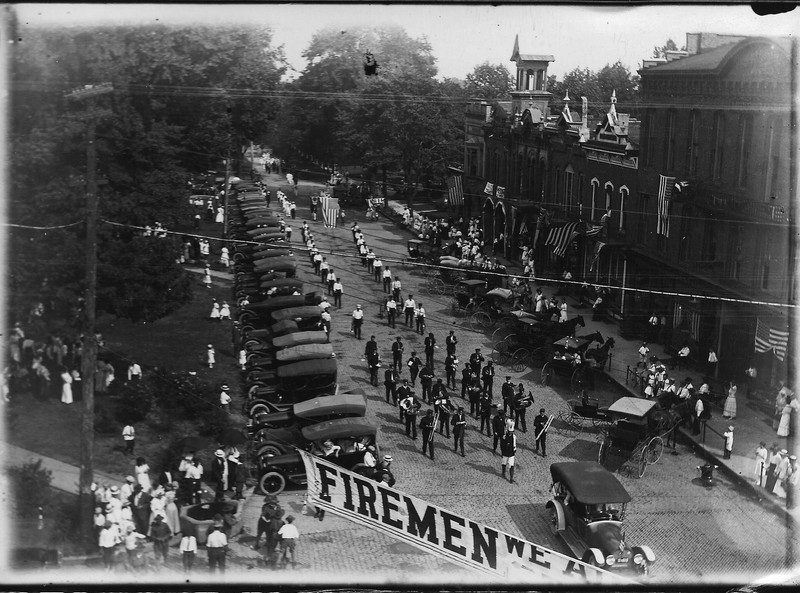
(350, 437)
(587, 511)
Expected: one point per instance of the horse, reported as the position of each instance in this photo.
(559, 330)
(595, 337)
(600, 355)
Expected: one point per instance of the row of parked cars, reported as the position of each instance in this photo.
(290, 376)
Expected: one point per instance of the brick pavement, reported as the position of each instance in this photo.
(465, 485)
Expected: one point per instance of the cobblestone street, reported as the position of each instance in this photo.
(696, 532)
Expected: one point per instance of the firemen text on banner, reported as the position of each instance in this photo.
(440, 532)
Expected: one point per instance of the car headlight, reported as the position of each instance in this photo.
(638, 559)
(610, 559)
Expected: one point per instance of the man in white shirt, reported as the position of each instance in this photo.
(326, 323)
(289, 536)
(391, 310)
(396, 287)
(331, 281)
(338, 290)
(419, 318)
(129, 436)
(216, 546)
(225, 399)
(324, 304)
(324, 268)
(188, 552)
(387, 279)
(134, 372)
(358, 321)
(370, 261)
(408, 308)
(643, 352)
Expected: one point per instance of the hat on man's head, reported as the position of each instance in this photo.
(793, 457)
(130, 479)
(388, 458)
(225, 387)
(541, 411)
(784, 452)
(219, 453)
(115, 490)
(730, 427)
(210, 346)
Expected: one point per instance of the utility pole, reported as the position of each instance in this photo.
(89, 356)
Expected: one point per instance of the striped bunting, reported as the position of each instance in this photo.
(665, 187)
(455, 190)
(560, 237)
(330, 211)
(768, 338)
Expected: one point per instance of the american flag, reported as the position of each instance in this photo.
(592, 230)
(330, 211)
(560, 237)
(455, 190)
(768, 338)
(665, 187)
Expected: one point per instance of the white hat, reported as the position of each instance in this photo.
(388, 458)
(210, 346)
(730, 427)
(219, 453)
(784, 452)
(225, 387)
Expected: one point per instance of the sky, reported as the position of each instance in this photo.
(461, 36)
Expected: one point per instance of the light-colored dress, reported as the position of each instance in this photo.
(539, 303)
(783, 425)
(171, 516)
(563, 316)
(66, 388)
(225, 258)
(729, 411)
(215, 311)
(220, 214)
(143, 476)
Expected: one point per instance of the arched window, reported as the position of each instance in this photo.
(609, 187)
(595, 187)
(623, 197)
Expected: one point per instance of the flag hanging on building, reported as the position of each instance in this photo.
(539, 224)
(665, 187)
(455, 190)
(768, 338)
(560, 237)
(592, 230)
(596, 255)
(330, 211)
(489, 189)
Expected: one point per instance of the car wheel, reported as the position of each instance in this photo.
(554, 521)
(272, 483)
(268, 451)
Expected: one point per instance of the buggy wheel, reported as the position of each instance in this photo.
(654, 450)
(602, 454)
(454, 308)
(500, 354)
(576, 382)
(499, 334)
(519, 360)
(642, 463)
(437, 286)
(480, 321)
(547, 374)
(541, 354)
(272, 483)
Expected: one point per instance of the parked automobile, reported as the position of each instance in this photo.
(587, 511)
(349, 436)
(267, 429)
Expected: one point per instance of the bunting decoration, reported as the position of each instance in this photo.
(455, 190)
(768, 338)
(560, 237)
(665, 188)
(330, 211)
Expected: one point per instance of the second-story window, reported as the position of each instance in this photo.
(692, 149)
(717, 139)
(669, 140)
(595, 189)
(623, 199)
(743, 150)
(772, 164)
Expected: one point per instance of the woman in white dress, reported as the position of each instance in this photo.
(142, 473)
(225, 311)
(220, 215)
(729, 411)
(214, 310)
(171, 515)
(786, 416)
(66, 386)
(563, 316)
(225, 257)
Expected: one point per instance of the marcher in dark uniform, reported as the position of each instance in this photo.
(521, 403)
(459, 422)
(373, 360)
(498, 426)
(508, 449)
(443, 407)
(487, 376)
(437, 390)
(426, 424)
(397, 353)
(412, 407)
(426, 380)
(467, 377)
(450, 342)
(450, 370)
(430, 344)
(507, 392)
(390, 381)
(402, 393)
(539, 432)
(414, 365)
(474, 399)
(476, 361)
(486, 414)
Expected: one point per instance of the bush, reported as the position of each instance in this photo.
(104, 421)
(135, 401)
(30, 484)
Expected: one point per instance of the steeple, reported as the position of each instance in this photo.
(613, 111)
(515, 53)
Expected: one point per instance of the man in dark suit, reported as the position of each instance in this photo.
(390, 381)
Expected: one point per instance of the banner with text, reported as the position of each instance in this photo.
(438, 531)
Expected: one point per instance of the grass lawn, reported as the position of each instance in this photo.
(177, 342)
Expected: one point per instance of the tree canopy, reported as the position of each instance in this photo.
(597, 87)
(489, 81)
(179, 101)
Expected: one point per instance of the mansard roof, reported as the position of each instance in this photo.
(715, 59)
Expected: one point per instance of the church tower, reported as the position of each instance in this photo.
(531, 87)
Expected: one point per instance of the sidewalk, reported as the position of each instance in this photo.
(752, 424)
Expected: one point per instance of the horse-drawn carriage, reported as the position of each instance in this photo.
(531, 340)
(568, 360)
(636, 433)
